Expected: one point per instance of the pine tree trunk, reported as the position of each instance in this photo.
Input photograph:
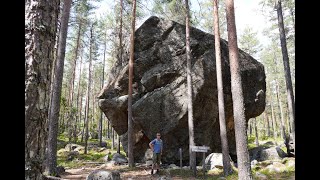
(56, 94)
(130, 125)
(88, 94)
(288, 122)
(268, 124)
(108, 129)
(273, 120)
(256, 132)
(250, 127)
(290, 96)
(78, 118)
(222, 120)
(93, 107)
(237, 97)
(189, 89)
(41, 19)
(113, 144)
(283, 131)
(118, 149)
(102, 82)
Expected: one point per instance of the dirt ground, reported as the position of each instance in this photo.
(139, 172)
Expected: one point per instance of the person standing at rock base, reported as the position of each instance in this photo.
(156, 146)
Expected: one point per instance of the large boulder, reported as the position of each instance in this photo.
(159, 102)
(104, 175)
(214, 160)
(119, 158)
(272, 153)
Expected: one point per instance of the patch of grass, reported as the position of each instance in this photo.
(92, 156)
(251, 146)
(69, 164)
(251, 139)
(184, 173)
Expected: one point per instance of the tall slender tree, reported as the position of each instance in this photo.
(237, 97)
(102, 83)
(285, 57)
(222, 120)
(118, 147)
(56, 94)
(283, 130)
(79, 106)
(265, 117)
(88, 92)
(273, 120)
(189, 91)
(256, 132)
(130, 125)
(41, 19)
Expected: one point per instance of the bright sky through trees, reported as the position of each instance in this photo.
(247, 12)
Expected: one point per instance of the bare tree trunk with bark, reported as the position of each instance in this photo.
(265, 116)
(56, 94)
(283, 131)
(290, 96)
(222, 120)
(237, 97)
(41, 18)
(130, 125)
(256, 132)
(88, 93)
(102, 82)
(189, 90)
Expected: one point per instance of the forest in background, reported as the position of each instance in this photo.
(93, 46)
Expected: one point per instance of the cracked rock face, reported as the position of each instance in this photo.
(160, 91)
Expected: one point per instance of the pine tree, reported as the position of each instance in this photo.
(56, 94)
(222, 120)
(237, 97)
(40, 38)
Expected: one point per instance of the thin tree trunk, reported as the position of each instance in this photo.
(108, 129)
(93, 107)
(250, 127)
(283, 131)
(222, 120)
(130, 126)
(268, 124)
(74, 66)
(237, 97)
(118, 149)
(273, 121)
(40, 37)
(113, 144)
(71, 90)
(256, 132)
(78, 118)
(102, 82)
(56, 94)
(189, 90)
(288, 122)
(290, 96)
(88, 93)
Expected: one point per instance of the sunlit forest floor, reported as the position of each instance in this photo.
(80, 166)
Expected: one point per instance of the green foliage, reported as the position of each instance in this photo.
(206, 19)
(249, 42)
